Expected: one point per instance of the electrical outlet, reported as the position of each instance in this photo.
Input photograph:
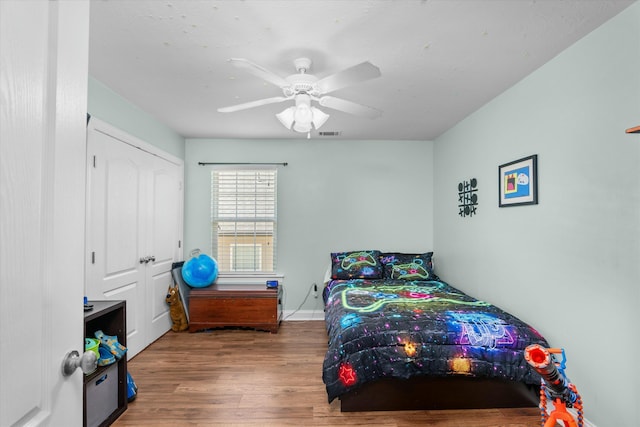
(315, 290)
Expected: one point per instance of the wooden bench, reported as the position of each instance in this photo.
(250, 306)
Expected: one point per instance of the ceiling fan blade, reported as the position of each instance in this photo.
(349, 107)
(259, 71)
(356, 74)
(252, 104)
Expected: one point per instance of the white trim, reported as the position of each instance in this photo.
(103, 127)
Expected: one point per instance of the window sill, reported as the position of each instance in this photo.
(248, 278)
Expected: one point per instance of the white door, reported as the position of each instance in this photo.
(164, 236)
(134, 219)
(115, 228)
(43, 91)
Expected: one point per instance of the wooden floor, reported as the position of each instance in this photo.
(250, 378)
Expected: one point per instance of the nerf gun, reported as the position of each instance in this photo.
(556, 386)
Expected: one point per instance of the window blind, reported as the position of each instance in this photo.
(244, 219)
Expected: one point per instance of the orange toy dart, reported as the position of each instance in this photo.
(556, 386)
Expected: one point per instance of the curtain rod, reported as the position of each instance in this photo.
(245, 163)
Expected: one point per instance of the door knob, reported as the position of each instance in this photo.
(144, 260)
(152, 258)
(88, 362)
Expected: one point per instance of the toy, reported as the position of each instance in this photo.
(111, 344)
(556, 386)
(132, 388)
(200, 271)
(176, 310)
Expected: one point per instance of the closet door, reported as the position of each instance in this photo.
(134, 217)
(163, 239)
(115, 229)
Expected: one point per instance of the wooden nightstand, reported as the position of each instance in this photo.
(250, 306)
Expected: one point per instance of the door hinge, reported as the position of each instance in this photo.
(179, 243)
(93, 257)
(94, 162)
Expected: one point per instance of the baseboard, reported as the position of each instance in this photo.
(301, 315)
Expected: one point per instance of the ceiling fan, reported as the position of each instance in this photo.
(304, 88)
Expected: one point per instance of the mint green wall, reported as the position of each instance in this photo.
(570, 265)
(333, 196)
(112, 108)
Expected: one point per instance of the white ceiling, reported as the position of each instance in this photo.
(440, 59)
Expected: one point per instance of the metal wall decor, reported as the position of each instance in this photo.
(467, 197)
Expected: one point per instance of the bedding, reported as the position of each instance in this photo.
(408, 266)
(395, 327)
(356, 265)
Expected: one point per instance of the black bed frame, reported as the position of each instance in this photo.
(456, 392)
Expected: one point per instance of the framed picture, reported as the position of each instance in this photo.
(518, 182)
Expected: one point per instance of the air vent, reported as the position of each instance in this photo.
(330, 133)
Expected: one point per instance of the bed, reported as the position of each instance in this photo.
(402, 338)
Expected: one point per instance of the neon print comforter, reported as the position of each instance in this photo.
(401, 329)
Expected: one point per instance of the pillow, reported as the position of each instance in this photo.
(408, 266)
(356, 265)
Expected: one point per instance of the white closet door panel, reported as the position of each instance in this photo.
(159, 317)
(133, 294)
(164, 238)
(123, 213)
(116, 229)
(166, 194)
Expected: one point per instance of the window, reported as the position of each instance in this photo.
(243, 219)
(246, 257)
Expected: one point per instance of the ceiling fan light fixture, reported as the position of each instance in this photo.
(319, 117)
(302, 117)
(302, 127)
(303, 114)
(286, 117)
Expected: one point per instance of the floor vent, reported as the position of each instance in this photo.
(331, 133)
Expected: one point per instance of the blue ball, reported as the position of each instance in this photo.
(200, 271)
